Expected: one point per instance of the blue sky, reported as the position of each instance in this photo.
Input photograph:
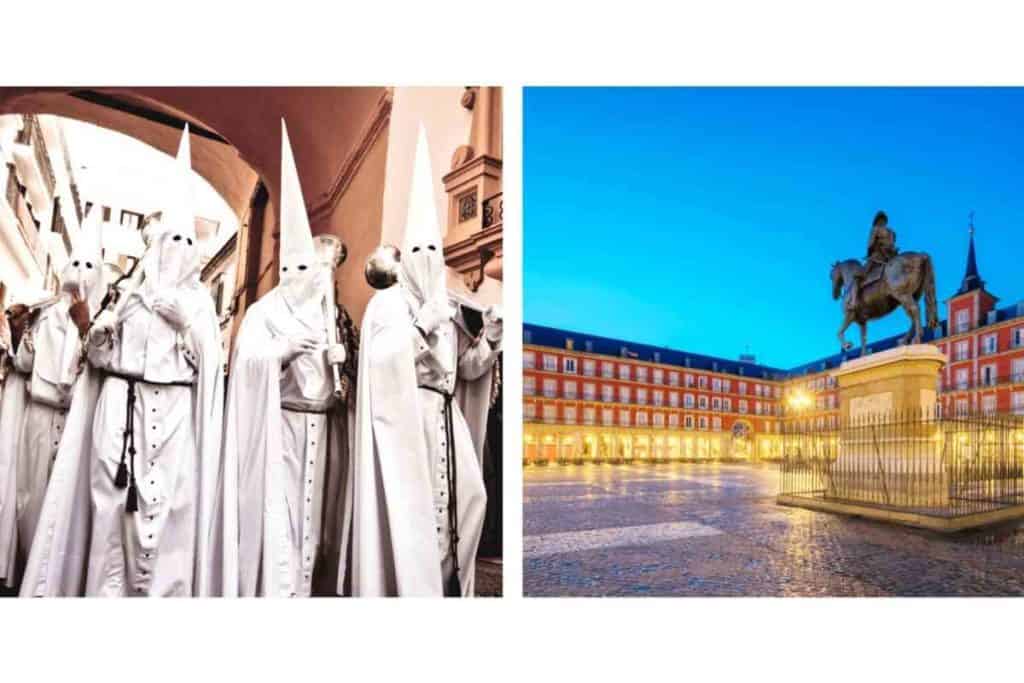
(707, 219)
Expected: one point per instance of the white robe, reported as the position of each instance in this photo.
(172, 545)
(12, 414)
(281, 431)
(400, 528)
(50, 360)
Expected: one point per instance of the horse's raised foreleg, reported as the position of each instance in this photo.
(847, 319)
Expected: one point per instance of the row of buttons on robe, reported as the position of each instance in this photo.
(441, 487)
(150, 490)
(308, 542)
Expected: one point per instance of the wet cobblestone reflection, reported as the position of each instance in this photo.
(715, 530)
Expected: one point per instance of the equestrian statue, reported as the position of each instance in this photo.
(887, 280)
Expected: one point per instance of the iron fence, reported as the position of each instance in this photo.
(917, 460)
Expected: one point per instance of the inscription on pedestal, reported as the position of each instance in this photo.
(872, 404)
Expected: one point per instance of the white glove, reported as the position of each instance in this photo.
(103, 327)
(432, 314)
(336, 354)
(171, 311)
(298, 345)
(493, 324)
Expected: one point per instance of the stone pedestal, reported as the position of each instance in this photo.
(899, 380)
(889, 453)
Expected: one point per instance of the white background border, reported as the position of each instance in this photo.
(512, 43)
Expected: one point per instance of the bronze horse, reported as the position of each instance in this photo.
(905, 279)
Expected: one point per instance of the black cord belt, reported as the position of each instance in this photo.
(123, 479)
(453, 588)
(306, 411)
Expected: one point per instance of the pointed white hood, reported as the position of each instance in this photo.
(297, 265)
(173, 258)
(422, 264)
(84, 273)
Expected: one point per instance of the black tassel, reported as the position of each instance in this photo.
(121, 478)
(131, 504)
(453, 589)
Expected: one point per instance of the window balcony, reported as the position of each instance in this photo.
(550, 393)
(529, 390)
(571, 395)
(589, 396)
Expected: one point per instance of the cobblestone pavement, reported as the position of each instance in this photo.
(715, 530)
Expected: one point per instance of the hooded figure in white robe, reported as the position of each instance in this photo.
(137, 487)
(419, 496)
(49, 357)
(286, 426)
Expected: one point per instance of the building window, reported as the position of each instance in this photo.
(961, 406)
(962, 322)
(569, 365)
(607, 417)
(743, 407)
(641, 374)
(589, 368)
(673, 378)
(641, 396)
(607, 393)
(702, 422)
(988, 375)
(467, 206)
(659, 420)
(550, 413)
(673, 420)
(727, 405)
(716, 424)
(624, 394)
(569, 390)
(550, 363)
(624, 418)
(702, 382)
(608, 370)
(1018, 337)
(716, 384)
(658, 376)
(673, 399)
(658, 398)
(550, 388)
(989, 344)
(702, 402)
(716, 403)
(962, 352)
(1017, 403)
(570, 414)
(1018, 370)
(589, 416)
(589, 391)
(688, 422)
(741, 388)
(689, 381)
(529, 386)
(624, 372)
(641, 419)
(988, 404)
(530, 410)
(529, 360)
(131, 220)
(726, 386)
(688, 400)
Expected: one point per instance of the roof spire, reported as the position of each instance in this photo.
(972, 280)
